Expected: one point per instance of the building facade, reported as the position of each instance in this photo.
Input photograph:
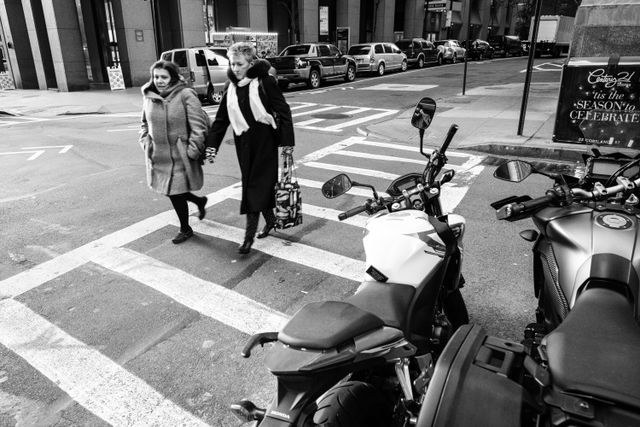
(74, 44)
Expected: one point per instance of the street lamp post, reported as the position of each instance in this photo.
(527, 80)
(466, 54)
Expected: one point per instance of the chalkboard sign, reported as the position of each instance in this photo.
(599, 102)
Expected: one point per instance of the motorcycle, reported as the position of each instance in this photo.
(577, 363)
(366, 361)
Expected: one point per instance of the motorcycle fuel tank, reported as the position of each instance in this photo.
(404, 247)
(593, 244)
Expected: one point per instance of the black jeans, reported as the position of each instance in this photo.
(252, 222)
(179, 202)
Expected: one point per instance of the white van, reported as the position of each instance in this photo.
(193, 68)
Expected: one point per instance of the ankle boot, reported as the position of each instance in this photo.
(270, 220)
(250, 232)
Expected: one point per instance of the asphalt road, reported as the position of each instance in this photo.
(107, 322)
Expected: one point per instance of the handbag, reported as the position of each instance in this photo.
(288, 210)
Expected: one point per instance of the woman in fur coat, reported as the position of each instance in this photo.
(172, 136)
(247, 106)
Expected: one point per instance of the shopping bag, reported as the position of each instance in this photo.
(288, 210)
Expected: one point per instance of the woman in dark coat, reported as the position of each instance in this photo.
(172, 136)
(248, 105)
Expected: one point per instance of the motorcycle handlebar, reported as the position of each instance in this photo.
(515, 209)
(351, 212)
(452, 131)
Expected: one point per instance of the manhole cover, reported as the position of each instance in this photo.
(331, 116)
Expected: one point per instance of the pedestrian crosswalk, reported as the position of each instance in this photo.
(117, 395)
(9, 120)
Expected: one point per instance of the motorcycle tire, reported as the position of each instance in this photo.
(353, 404)
(456, 310)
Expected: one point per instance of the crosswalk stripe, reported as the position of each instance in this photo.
(212, 300)
(309, 256)
(317, 110)
(90, 378)
(388, 158)
(308, 122)
(415, 149)
(360, 120)
(356, 171)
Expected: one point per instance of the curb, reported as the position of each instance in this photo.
(509, 150)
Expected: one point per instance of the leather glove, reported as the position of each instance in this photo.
(210, 153)
(287, 150)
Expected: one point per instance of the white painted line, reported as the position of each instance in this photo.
(299, 253)
(64, 148)
(308, 122)
(321, 129)
(388, 158)
(358, 110)
(35, 155)
(212, 300)
(122, 130)
(415, 149)
(349, 169)
(399, 87)
(90, 378)
(362, 120)
(302, 105)
(355, 191)
(318, 110)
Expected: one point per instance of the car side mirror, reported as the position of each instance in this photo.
(336, 186)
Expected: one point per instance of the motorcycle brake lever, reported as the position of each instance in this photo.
(261, 338)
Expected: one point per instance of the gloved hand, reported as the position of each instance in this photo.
(287, 150)
(210, 153)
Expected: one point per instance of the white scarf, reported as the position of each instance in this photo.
(236, 118)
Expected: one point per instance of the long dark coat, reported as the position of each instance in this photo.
(257, 148)
(172, 136)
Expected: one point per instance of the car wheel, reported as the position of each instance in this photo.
(421, 62)
(351, 74)
(314, 79)
(381, 69)
(214, 97)
(403, 67)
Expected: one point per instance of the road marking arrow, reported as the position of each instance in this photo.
(65, 148)
(36, 153)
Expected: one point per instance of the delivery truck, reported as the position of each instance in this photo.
(554, 35)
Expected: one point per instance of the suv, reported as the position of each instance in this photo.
(506, 45)
(311, 63)
(451, 50)
(378, 57)
(206, 76)
(419, 51)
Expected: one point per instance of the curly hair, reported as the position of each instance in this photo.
(171, 67)
(248, 50)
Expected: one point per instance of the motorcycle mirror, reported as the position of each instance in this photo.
(423, 113)
(447, 176)
(336, 186)
(513, 171)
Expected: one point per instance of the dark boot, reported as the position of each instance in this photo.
(250, 232)
(270, 223)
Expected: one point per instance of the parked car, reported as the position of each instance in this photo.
(419, 51)
(203, 69)
(222, 51)
(478, 49)
(311, 63)
(378, 57)
(451, 50)
(506, 46)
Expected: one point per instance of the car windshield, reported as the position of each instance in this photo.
(297, 50)
(440, 43)
(403, 44)
(359, 50)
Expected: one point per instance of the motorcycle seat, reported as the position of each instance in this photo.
(593, 351)
(389, 301)
(327, 324)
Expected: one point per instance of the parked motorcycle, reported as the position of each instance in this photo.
(577, 365)
(366, 361)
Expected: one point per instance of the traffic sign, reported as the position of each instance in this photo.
(437, 5)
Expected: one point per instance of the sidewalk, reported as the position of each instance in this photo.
(487, 117)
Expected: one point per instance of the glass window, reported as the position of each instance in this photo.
(388, 48)
(403, 44)
(180, 58)
(323, 50)
(416, 44)
(334, 50)
(378, 49)
(200, 62)
(395, 49)
(297, 50)
(362, 49)
(166, 56)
